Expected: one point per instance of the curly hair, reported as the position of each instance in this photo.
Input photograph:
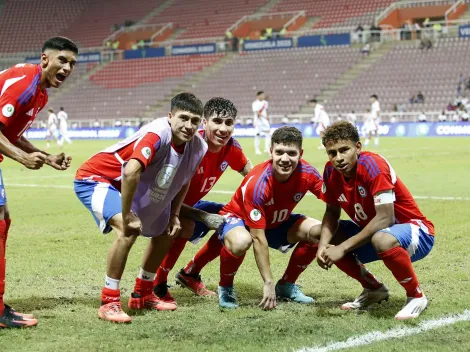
(287, 135)
(220, 107)
(341, 131)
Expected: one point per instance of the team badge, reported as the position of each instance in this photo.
(223, 166)
(255, 215)
(362, 191)
(165, 176)
(146, 152)
(298, 196)
(323, 188)
(8, 110)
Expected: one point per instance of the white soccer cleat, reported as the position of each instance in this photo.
(412, 308)
(367, 298)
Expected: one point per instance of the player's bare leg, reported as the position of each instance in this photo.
(257, 144)
(111, 308)
(368, 137)
(376, 139)
(398, 261)
(306, 233)
(143, 296)
(321, 146)
(267, 141)
(9, 318)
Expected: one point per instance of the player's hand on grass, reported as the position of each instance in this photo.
(320, 255)
(174, 226)
(35, 161)
(333, 254)
(59, 161)
(132, 225)
(269, 296)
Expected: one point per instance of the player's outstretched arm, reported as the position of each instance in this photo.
(31, 160)
(58, 162)
(248, 167)
(212, 221)
(328, 229)
(261, 251)
(130, 180)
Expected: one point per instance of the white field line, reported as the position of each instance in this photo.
(214, 191)
(376, 336)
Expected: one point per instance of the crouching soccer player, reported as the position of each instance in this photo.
(387, 223)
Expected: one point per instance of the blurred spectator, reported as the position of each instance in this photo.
(365, 51)
(420, 98)
(450, 107)
(269, 33)
(351, 117)
(235, 44)
(282, 32)
(115, 45)
(108, 44)
(426, 43)
(463, 113)
(413, 99)
(422, 117)
(375, 33)
(360, 32)
(127, 123)
(117, 123)
(442, 117)
(96, 123)
(263, 35)
(417, 29)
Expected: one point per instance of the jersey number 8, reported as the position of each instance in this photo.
(360, 212)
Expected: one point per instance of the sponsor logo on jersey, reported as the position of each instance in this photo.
(223, 166)
(323, 188)
(342, 198)
(255, 215)
(200, 170)
(298, 197)
(146, 151)
(8, 110)
(362, 191)
(165, 176)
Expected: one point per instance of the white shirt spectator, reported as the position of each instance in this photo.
(442, 117)
(62, 116)
(352, 118)
(52, 122)
(422, 117)
(375, 110)
(260, 108)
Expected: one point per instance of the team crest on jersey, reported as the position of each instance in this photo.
(8, 110)
(223, 166)
(323, 188)
(255, 215)
(298, 197)
(362, 191)
(146, 152)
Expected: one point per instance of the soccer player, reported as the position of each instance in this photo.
(137, 187)
(23, 95)
(63, 127)
(260, 213)
(261, 122)
(321, 119)
(223, 151)
(386, 222)
(51, 128)
(373, 120)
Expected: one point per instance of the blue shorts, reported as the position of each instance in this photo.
(417, 242)
(101, 199)
(201, 230)
(3, 195)
(277, 237)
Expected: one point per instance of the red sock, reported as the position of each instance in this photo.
(108, 295)
(7, 223)
(398, 262)
(143, 287)
(351, 267)
(229, 264)
(303, 254)
(205, 255)
(170, 260)
(3, 239)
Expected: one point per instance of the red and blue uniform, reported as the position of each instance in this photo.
(262, 202)
(358, 197)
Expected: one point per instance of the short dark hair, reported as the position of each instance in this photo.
(259, 93)
(187, 102)
(341, 131)
(62, 108)
(374, 96)
(220, 107)
(60, 43)
(287, 135)
(313, 101)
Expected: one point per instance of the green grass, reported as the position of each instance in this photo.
(57, 259)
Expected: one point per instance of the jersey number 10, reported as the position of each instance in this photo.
(280, 216)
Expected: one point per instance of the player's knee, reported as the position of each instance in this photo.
(126, 239)
(314, 234)
(187, 228)
(383, 241)
(238, 242)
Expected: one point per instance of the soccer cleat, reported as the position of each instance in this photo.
(292, 292)
(23, 315)
(114, 313)
(161, 291)
(194, 283)
(227, 297)
(367, 298)
(10, 320)
(151, 301)
(413, 308)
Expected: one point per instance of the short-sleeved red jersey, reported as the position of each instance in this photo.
(264, 203)
(212, 167)
(21, 98)
(356, 196)
(107, 167)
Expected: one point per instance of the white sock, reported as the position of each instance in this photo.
(146, 275)
(48, 145)
(366, 142)
(267, 142)
(376, 140)
(112, 284)
(257, 143)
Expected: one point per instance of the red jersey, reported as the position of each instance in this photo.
(21, 98)
(107, 167)
(212, 167)
(264, 203)
(356, 196)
